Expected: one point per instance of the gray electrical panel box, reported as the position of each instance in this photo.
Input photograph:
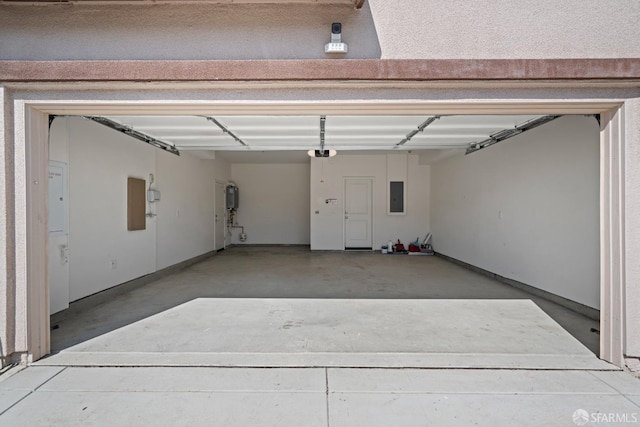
(232, 197)
(396, 196)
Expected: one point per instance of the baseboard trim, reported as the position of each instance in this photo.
(587, 311)
(110, 293)
(267, 245)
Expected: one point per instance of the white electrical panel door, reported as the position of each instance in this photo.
(58, 252)
(57, 198)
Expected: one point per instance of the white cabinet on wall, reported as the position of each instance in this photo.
(58, 267)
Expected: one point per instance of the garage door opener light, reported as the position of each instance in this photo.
(322, 152)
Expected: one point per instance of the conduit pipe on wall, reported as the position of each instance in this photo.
(231, 225)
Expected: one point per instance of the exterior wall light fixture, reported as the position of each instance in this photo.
(336, 45)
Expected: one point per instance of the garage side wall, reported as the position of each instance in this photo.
(526, 209)
(102, 253)
(186, 216)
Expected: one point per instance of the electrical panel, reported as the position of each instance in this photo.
(396, 196)
(232, 197)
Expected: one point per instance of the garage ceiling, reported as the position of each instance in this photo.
(302, 133)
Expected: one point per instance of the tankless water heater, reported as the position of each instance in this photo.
(232, 197)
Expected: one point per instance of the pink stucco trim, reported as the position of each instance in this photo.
(321, 69)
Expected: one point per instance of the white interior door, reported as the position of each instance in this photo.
(58, 238)
(220, 207)
(358, 213)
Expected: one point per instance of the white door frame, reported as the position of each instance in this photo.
(612, 236)
(31, 163)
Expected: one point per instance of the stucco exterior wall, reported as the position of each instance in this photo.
(506, 28)
(407, 29)
(632, 227)
(7, 305)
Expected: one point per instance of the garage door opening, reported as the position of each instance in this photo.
(525, 210)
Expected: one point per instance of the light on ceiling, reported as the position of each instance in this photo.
(323, 153)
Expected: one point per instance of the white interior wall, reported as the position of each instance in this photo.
(100, 161)
(186, 217)
(526, 208)
(327, 182)
(273, 204)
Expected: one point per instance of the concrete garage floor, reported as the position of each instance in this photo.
(314, 332)
(308, 295)
(297, 273)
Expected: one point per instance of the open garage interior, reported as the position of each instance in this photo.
(319, 212)
(245, 240)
